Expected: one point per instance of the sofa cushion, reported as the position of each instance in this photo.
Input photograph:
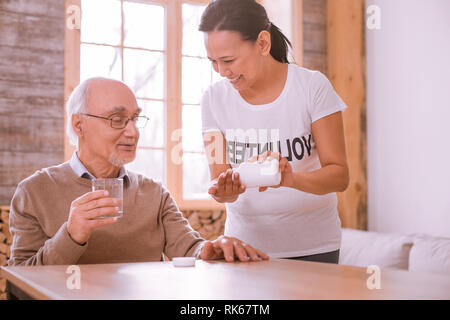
(364, 248)
(430, 254)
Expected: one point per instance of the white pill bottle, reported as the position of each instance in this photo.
(254, 174)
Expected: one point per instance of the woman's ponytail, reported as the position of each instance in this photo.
(280, 44)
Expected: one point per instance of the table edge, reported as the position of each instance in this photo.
(33, 290)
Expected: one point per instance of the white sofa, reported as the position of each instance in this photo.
(416, 252)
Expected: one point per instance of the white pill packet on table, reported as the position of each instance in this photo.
(183, 261)
(254, 174)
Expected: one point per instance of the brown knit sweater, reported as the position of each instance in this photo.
(151, 225)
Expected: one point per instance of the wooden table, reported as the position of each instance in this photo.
(275, 279)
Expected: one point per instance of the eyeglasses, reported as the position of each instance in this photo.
(118, 122)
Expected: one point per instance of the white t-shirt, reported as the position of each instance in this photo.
(282, 222)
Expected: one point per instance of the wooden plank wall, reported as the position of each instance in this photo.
(31, 89)
(315, 35)
(346, 71)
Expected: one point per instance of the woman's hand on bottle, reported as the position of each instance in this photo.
(287, 176)
(227, 187)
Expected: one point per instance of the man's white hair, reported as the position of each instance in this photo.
(76, 104)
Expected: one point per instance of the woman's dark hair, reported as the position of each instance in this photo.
(248, 18)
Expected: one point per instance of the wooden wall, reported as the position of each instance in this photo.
(333, 42)
(346, 71)
(315, 35)
(31, 89)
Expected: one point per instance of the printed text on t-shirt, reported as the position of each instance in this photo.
(295, 148)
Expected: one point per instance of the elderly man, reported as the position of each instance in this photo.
(54, 216)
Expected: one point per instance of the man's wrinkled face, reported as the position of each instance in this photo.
(117, 146)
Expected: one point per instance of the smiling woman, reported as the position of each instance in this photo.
(263, 93)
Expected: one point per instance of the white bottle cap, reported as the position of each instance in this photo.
(254, 174)
(183, 262)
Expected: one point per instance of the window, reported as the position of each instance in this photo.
(154, 46)
(125, 40)
(197, 76)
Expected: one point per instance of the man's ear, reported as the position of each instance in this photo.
(264, 42)
(77, 125)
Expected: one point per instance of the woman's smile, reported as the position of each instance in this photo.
(235, 80)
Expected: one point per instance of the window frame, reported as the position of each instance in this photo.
(174, 40)
(173, 88)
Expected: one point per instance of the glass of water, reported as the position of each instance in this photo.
(115, 188)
